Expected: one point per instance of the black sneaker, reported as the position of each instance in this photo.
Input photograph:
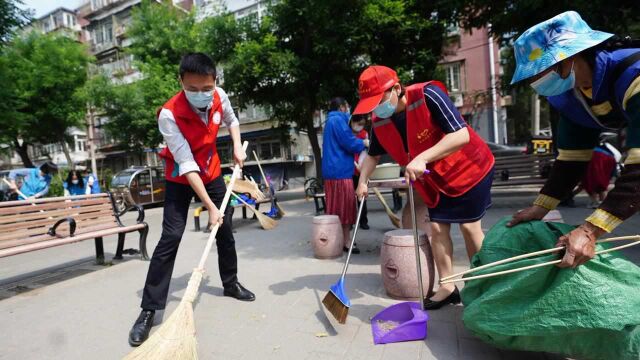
(354, 251)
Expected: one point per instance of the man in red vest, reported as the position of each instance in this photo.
(420, 128)
(189, 123)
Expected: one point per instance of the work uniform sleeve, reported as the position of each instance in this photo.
(623, 201)
(176, 142)
(575, 148)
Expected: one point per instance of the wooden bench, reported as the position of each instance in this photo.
(30, 225)
(198, 211)
(523, 169)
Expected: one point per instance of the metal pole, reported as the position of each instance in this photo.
(492, 81)
(91, 142)
(416, 241)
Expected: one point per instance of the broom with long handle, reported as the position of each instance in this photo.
(280, 210)
(395, 220)
(266, 222)
(16, 190)
(176, 337)
(336, 301)
(450, 279)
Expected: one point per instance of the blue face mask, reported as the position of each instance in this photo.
(199, 99)
(553, 84)
(385, 109)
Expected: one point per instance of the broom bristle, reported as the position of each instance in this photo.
(336, 307)
(266, 222)
(395, 220)
(175, 339)
(280, 210)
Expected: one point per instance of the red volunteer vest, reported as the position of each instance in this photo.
(453, 175)
(201, 138)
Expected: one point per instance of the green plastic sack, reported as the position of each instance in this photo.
(591, 312)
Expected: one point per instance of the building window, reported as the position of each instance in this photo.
(270, 149)
(452, 76)
(108, 32)
(80, 145)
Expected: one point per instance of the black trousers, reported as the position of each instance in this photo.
(176, 209)
(363, 218)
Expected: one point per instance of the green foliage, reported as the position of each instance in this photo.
(55, 187)
(42, 77)
(512, 17)
(11, 18)
(106, 176)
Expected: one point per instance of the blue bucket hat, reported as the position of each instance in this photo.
(552, 41)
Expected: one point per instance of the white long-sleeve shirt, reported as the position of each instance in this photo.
(176, 142)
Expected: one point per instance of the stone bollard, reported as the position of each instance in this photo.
(327, 239)
(398, 265)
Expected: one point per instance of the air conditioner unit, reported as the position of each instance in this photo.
(458, 100)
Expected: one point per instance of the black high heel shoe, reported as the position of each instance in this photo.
(453, 298)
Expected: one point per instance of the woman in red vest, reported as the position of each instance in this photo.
(189, 124)
(422, 130)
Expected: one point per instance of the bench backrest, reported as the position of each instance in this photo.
(28, 221)
(531, 165)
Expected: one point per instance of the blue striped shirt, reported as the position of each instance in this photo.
(443, 113)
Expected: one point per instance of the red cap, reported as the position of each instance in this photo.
(372, 84)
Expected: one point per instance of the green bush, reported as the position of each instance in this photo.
(106, 176)
(56, 188)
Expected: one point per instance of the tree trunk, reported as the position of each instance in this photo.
(22, 152)
(65, 149)
(315, 146)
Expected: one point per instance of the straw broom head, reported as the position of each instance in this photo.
(175, 339)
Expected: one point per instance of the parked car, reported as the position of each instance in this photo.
(141, 185)
(500, 150)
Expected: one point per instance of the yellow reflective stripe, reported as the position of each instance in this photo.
(546, 202)
(601, 109)
(575, 155)
(633, 89)
(604, 220)
(633, 156)
(588, 92)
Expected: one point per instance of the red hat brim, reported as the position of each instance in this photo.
(366, 105)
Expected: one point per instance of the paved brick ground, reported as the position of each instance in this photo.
(55, 304)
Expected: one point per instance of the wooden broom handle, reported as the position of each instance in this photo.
(17, 191)
(449, 279)
(223, 207)
(261, 172)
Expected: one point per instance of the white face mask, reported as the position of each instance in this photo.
(74, 182)
(357, 128)
(199, 99)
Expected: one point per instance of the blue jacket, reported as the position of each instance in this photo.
(95, 188)
(33, 184)
(338, 146)
(571, 108)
